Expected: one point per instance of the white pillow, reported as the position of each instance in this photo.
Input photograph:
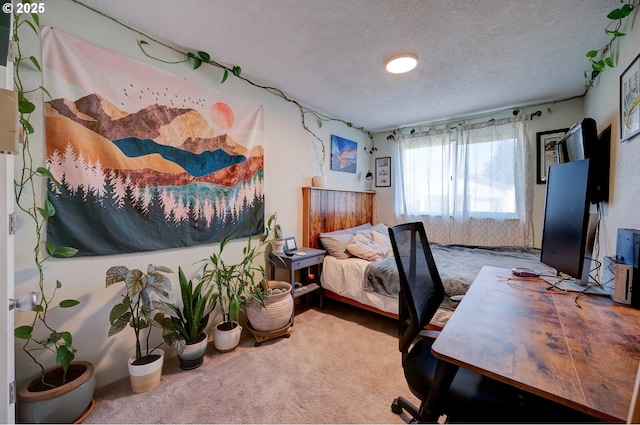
(383, 239)
(381, 227)
(367, 249)
(336, 242)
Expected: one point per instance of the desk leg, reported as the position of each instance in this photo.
(431, 408)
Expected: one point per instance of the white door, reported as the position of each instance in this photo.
(7, 368)
(7, 371)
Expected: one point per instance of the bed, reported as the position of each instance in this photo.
(360, 269)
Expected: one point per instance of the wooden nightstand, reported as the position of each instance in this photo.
(303, 259)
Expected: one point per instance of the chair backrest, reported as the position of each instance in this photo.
(421, 290)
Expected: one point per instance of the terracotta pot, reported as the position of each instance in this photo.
(63, 404)
(277, 310)
(146, 377)
(193, 354)
(225, 340)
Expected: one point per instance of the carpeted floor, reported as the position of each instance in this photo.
(340, 365)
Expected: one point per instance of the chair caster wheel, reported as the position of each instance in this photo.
(395, 407)
(287, 335)
(257, 344)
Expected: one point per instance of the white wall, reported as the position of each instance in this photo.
(602, 104)
(554, 116)
(290, 161)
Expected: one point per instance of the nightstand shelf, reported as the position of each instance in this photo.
(311, 258)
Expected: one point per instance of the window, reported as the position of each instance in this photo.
(477, 171)
(488, 187)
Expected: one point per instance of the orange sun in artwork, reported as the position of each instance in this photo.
(222, 115)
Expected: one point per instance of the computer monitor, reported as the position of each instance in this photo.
(569, 229)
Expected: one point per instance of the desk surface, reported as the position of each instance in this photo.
(538, 340)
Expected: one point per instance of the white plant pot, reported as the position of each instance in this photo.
(277, 246)
(319, 181)
(192, 356)
(147, 376)
(226, 340)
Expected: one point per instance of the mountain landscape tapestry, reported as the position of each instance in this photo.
(147, 159)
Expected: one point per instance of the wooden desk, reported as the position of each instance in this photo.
(538, 340)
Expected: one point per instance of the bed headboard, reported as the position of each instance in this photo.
(326, 210)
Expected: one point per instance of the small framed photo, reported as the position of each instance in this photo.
(383, 171)
(290, 245)
(547, 155)
(630, 101)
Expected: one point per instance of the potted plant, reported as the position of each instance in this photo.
(234, 285)
(184, 329)
(143, 296)
(277, 242)
(62, 393)
(270, 309)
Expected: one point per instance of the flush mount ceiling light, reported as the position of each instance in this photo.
(400, 64)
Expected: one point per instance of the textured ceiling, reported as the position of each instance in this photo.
(475, 56)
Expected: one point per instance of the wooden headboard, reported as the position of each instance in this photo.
(326, 210)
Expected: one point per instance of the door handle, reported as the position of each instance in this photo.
(27, 301)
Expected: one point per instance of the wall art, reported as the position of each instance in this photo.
(383, 171)
(344, 154)
(630, 101)
(147, 159)
(546, 142)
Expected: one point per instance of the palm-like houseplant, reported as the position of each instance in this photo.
(184, 329)
(234, 284)
(140, 309)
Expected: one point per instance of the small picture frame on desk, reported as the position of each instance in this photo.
(290, 246)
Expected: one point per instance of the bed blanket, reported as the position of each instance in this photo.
(382, 277)
(458, 266)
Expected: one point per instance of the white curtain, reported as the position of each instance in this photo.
(472, 186)
(424, 175)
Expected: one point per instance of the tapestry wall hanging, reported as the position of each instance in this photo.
(147, 159)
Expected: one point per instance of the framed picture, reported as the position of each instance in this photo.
(344, 154)
(290, 245)
(630, 101)
(383, 171)
(546, 142)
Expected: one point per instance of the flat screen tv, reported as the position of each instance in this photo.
(569, 230)
(583, 142)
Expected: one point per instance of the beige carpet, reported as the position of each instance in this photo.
(340, 365)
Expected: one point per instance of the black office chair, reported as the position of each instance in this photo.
(471, 397)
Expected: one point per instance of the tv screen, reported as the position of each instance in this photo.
(566, 233)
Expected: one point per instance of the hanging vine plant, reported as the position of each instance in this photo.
(200, 57)
(602, 59)
(28, 200)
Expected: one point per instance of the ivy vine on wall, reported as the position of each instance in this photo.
(602, 59)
